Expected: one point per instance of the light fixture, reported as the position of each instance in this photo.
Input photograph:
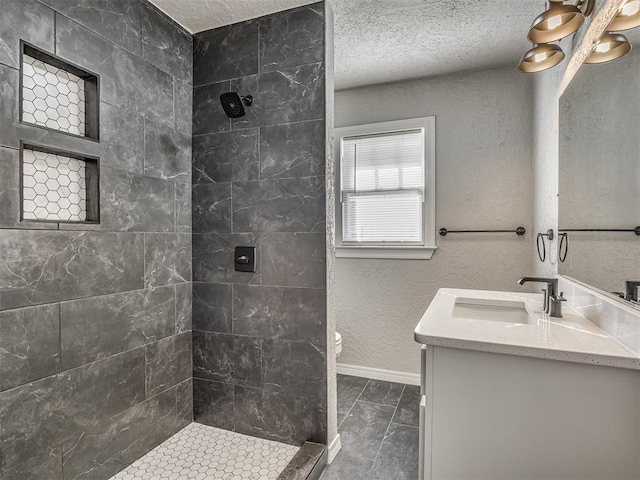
(541, 57)
(557, 22)
(609, 47)
(628, 16)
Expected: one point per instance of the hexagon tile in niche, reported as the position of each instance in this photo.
(53, 187)
(201, 452)
(52, 97)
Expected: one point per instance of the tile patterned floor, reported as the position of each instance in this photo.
(378, 425)
(201, 452)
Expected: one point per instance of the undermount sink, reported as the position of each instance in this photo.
(507, 311)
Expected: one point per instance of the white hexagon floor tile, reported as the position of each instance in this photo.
(200, 452)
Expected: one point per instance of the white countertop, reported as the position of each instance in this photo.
(571, 338)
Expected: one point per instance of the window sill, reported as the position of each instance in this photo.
(398, 253)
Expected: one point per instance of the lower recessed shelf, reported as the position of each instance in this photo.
(59, 186)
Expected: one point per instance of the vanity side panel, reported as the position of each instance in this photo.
(503, 417)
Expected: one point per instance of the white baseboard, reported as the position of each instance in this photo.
(379, 374)
(334, 448)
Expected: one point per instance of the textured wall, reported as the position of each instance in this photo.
(95, 342)
(260, 338)
(600, 172)
(483, 180)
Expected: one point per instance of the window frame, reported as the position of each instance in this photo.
(415, 252)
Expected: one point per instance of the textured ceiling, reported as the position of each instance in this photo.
(378, 41)
(199, 15)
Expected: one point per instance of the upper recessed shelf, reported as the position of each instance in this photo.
(57, 95)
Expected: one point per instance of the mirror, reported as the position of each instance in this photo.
(599, 177)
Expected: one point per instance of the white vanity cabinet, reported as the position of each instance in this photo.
(494, 416)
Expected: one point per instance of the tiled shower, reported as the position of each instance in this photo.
(98, 344)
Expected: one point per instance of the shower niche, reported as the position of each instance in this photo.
(57, 95)
(58, 186)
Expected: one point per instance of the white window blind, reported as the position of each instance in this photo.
(382, 182)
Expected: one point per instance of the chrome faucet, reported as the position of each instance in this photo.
(552, 301)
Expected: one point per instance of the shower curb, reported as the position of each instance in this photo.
(307, 464)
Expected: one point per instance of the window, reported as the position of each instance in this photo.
(386, 190)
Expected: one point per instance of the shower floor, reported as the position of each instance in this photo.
(201, 452)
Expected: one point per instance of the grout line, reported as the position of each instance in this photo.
(277, 70)
(60, 337)
(387, 431)
(356, 400)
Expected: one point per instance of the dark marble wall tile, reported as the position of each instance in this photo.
(183, 207)
(136, 203)
(280, 313)
(212, 307)
(167, 258)
(37, 417)
(9, 102)
(9, 188)
(165, 44)
(29, 345)
(119, 21)
(280, 417)
(26, 20)
(183, 106)
(227, 358)
(293, 37)
(98, 327)
(226, 157)
(184, 401)
(292, 150)
(168, 362)
(122, 139)
(208, 115)
(126, 80)
(42, 466)
(225, 53)
(95, 414)
(213, 403)
(273, 161)
(283, 96)
(280, 265)
(295, 368)
(288, 205)
(183, 307)
(44, 267)
(167, 152)
(211, 208)
(213, 258)
(103, 452)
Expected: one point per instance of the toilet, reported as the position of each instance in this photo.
(338, 344)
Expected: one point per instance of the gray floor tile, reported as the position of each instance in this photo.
(408, 411)
(341, 417)
(349, 389)
(363, 430)
(398, 457)
(383, 393)
(345, 467)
